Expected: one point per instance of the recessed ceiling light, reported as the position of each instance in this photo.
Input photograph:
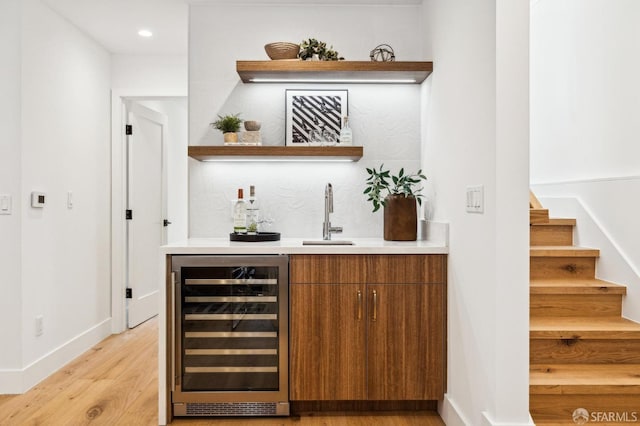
(145, 33)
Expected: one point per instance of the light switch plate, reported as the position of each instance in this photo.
(5, 204)
(475, 199)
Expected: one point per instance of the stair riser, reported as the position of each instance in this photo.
(562, 267)
(575, 305)
(560, 408)
(596, 351)
(551, 235)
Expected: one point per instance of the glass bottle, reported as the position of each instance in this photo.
(253, 212)
(240, 214)
(346, 137)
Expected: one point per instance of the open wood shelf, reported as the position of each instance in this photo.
(296, 71)
(284, 153)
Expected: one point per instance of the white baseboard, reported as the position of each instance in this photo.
(452, 416)
(487, 421)
(450, 413)
(10, 382)
(20, 381)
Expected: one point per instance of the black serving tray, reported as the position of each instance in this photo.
(255, 238)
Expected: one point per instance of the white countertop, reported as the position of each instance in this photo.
(295, 246)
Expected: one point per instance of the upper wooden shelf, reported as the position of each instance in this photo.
(284, 153)
(297, 71)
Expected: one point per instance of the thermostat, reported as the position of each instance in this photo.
(37, 199)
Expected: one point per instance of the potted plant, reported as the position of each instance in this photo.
(398, 194)
(229, 125)
(313, 49)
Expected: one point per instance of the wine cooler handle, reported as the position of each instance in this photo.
(359, 305)
(375, 306)
(172, 323)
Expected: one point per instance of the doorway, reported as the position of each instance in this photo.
(146, 210)
(149, 182)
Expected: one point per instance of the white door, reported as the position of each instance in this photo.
(146, 183)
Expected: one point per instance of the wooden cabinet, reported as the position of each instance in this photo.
(367, 327)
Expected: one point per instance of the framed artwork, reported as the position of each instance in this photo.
(314, 117)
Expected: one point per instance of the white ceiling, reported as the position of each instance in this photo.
(115, 23)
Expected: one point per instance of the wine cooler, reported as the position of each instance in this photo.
(230, 340)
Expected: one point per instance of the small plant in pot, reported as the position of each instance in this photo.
(313, 49)
(229, 125)
(399, 195)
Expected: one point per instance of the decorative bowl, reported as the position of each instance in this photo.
(282, 50)
(251, 125)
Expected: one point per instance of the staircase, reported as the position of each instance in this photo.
(583, 354)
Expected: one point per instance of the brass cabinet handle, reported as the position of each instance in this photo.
(172, 323)
(359, 305)
(375, 306)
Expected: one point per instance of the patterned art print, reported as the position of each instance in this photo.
(314, 113)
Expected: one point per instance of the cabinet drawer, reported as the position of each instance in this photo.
(327, 269)
(371, 269)
(406, 269)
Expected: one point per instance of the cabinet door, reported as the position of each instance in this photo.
(406, 341)
(327, 342)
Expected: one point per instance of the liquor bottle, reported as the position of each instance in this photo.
(240, 214)
(346, 137)
(253, 211)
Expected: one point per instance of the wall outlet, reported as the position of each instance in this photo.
(39, 325)
(475, 199)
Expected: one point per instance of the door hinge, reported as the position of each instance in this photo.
(129, 293)
(128, 214)
(128, 129)
(166, 222)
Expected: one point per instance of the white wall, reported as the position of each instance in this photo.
(584, 124)
(477, 133)
(10, 229)
(385, 119)
(159, 74)
(64, 146)
(584, 89)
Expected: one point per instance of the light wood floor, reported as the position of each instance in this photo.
(115, 383)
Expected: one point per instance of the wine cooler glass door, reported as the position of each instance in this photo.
(232, 329)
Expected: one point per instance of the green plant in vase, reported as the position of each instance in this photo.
(229, 125)
(398, 195)
(312, 49)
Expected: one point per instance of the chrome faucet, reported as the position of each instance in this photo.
(327, 229)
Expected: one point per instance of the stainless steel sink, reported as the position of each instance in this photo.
(327, 243)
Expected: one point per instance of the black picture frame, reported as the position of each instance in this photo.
(310, 112)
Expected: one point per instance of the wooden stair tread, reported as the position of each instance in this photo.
(575, 286)
(584, 378)
(562, 251)
(557, 222)
(583, 328)
(538, 216)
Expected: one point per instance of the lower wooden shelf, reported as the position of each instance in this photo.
(277, 153)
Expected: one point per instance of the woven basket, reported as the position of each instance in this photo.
(282, 50)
